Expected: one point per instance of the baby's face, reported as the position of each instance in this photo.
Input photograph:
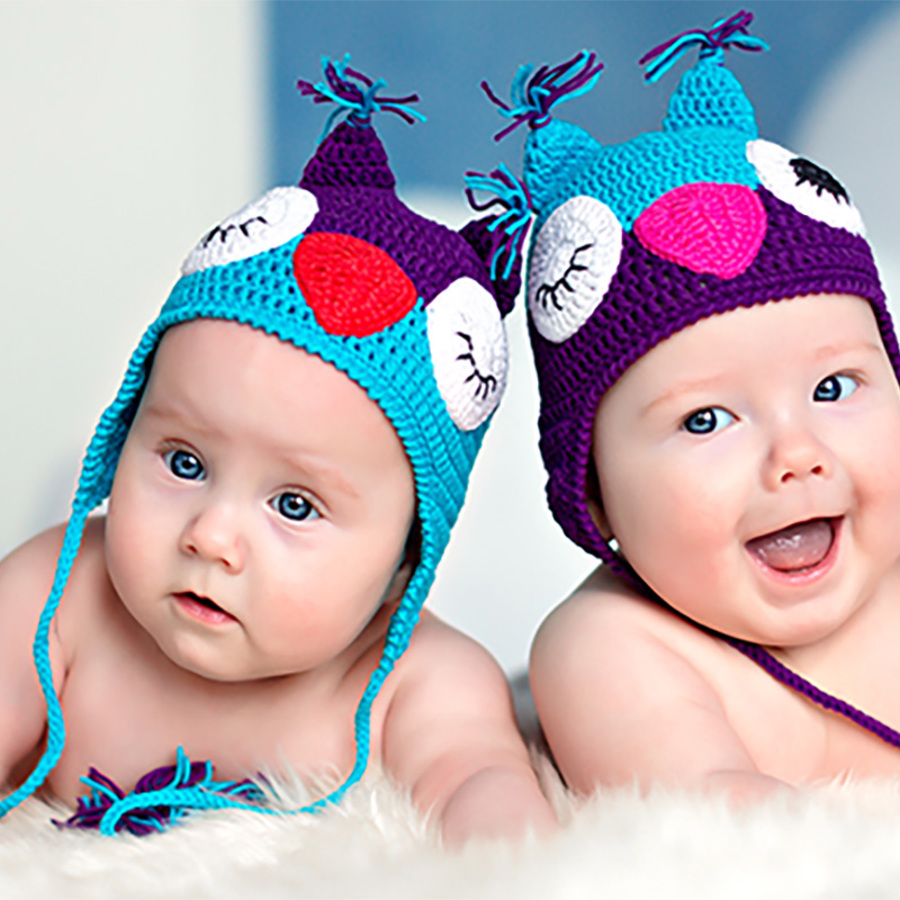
(749, 468)
(261, 506)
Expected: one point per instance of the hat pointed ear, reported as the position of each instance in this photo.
(552, 155)
(479, 236)
(498, 239)
(708, 93)
(554, 148)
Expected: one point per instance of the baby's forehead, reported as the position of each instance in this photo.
(222, 363)
(229, 344)
(745, 340)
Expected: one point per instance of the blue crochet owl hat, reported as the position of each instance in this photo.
(407, 308)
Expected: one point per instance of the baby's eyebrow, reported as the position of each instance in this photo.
(321, 473)
(158, 408)
(684, 387)
(829, 350)
(310, 467)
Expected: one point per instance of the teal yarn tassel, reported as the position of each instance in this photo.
(731, 32)
(159, 799)
(511, 226)
(355, 102)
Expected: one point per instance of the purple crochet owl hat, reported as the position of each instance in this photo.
(635, 242)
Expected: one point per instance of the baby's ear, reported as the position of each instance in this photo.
(595, 505)
(498, 239)
(411, 557)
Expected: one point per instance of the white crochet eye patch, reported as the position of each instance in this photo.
(807, 187)
(468, 350)
(270, 221)
(573, 260)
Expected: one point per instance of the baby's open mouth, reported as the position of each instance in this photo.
(202, 607)
(798, 548)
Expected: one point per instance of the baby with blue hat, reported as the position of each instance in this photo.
(283, 464)
(719, 423)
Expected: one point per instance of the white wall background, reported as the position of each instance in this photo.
(130, 128)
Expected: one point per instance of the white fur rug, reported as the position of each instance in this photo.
(838, 841)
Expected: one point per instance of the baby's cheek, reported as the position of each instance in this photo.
(685, 535)
(878, 493)
(133, 535)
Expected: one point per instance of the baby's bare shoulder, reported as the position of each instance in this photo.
(605, 613)
(26, 579)
(607, 635)
(29, 568)
(451, 709)
(627, 689)
(441, 659)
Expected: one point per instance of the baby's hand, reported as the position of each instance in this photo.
(742, 787)
(450, 734)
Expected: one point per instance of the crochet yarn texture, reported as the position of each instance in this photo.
(636, 241)
(339, 267)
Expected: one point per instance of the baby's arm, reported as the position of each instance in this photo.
(450, 734)
(621, 701)
(25, 579)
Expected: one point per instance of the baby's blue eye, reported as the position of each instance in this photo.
(706, 421)
(834, 387)
(294, 507)
(183, 464)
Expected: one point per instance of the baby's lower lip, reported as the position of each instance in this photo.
(202, 609)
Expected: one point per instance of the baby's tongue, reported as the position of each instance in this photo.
(795, 547)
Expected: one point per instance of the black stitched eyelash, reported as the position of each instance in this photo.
(223, 232)
(549, 292)
(819, 178)
(487, 384)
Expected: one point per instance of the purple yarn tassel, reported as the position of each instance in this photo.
(144, 820)
(731, 32)
(535, 95)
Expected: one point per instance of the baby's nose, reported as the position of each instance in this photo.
(212, 534)
(705, 227)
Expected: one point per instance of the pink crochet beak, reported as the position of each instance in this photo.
(705, 227)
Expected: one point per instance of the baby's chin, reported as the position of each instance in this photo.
(226, 667)
(798, 625)
(789, 630)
